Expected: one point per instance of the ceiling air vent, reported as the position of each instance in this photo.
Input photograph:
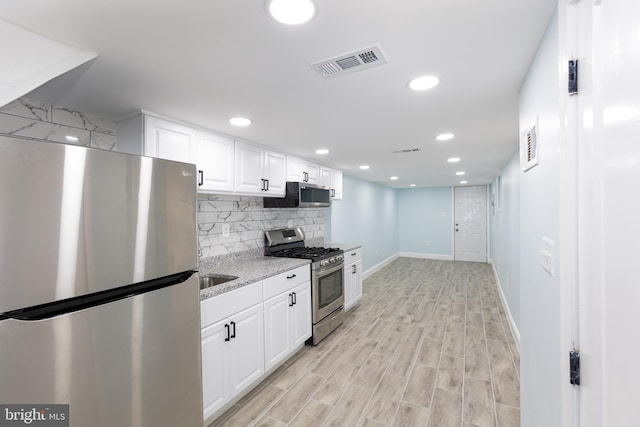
(529, 148)
(349, 62)
(408, 150)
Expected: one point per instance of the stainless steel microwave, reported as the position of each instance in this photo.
(300, 195)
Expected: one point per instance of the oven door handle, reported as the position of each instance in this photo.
(329, 270)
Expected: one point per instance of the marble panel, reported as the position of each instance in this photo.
(19, 126)
(28, 108)
(77, 119)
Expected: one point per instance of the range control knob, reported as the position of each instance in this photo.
(323, 263)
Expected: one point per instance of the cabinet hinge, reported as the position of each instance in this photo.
(573, 77)
(574, 367)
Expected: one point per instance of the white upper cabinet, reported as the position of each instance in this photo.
(300, 170)
(215, 163)
(258, 171)
(331, 179)
(274, 172)
(168, 140)
(224, 165)
(152, 136)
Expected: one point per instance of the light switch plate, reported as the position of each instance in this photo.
(547, 253)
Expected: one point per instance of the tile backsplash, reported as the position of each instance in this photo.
(247, 221)
(35, 119)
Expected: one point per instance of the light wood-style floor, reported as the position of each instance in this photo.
(428, 345)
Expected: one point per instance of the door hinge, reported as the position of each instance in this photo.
(573, 77)
(574, 367)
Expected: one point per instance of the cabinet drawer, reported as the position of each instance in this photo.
(283, 282)
(222, 306)
(353, 256)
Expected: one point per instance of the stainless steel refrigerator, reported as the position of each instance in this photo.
(99, 297)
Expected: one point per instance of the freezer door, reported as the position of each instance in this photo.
(76, 220)
(132, 362)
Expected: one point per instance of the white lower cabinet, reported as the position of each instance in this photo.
(352, 277)
(248, 331)
(232, 357)
(232, 345)
(287, 323)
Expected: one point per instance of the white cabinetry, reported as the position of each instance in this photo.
(232, 345)
(352, 277)
(300, 170)
(168, 140)
(258, 171)
(331, 179)
(152, 136)
(287, 311)
(214, 160)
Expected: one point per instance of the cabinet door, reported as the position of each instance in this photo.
(336, 185)
(274, 171)
(301, 315)
(249, 162)
(213, 371)
(246, 362)
(294, 169)
(357, 281)
(349, 293)
(277, 344)
(215, 162)
(168, 140)
(326, 177)
(312, 171)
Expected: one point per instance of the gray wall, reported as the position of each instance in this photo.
(543, 352)
(368, 215)
(505, 236)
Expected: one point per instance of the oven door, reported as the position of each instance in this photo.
(327, 291)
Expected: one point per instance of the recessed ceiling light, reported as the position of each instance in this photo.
(412, 185)
(463, 182)
(453, 159)
(424, 83)
(460, 173)
(322, 151)
(71, 138)
(291, 12)
(444, 137)
(364, 167)
(240, 121)
(393, 178)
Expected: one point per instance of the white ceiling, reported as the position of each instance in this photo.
(205, 61)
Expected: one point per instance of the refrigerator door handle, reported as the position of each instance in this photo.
(228, 338)
(70, 305)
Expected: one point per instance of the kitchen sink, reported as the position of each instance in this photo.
(209, 280)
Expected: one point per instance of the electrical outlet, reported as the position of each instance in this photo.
(428, 242)
(225, 230)
(290, 223)
(443, 214)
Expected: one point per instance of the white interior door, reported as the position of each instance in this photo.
(470, 227)
(609, 232)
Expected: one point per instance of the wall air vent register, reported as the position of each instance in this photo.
(529, 147)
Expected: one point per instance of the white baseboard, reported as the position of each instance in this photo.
(379, 266)
(512, 324)
(426, 256)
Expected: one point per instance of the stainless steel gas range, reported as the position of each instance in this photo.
(327, 288)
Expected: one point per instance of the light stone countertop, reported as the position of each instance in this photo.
(344, 246)
(248, 270)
